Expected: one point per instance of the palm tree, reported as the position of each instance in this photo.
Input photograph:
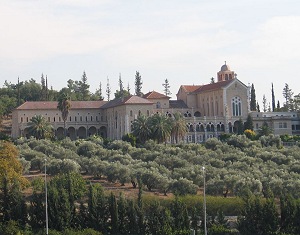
(141, 128)
(39, 127)
(64, 106)
(161, 127)
(179, 127)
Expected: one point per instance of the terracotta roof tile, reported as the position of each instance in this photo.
(155, 95)
(127, 100)
(213, 86)
(36, 105)
(190, 88)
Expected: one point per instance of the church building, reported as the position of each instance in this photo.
(209, 110)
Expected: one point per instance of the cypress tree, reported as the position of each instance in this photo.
(287, 213)
(122, 207)
(249, 123)
(252, 99)
(278, 105)
(132, 218)
(273, 99)
(113, 208)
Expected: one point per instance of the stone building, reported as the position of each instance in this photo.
(209, 110)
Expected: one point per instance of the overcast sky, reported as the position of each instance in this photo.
(186, 42)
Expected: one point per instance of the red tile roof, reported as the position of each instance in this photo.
(132, 100)
(190, 88)
(36, 105)
(155, 95)
(213, 86)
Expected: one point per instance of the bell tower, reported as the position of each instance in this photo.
(225, 73)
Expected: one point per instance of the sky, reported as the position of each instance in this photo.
(185, 42)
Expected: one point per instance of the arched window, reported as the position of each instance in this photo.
(236, 106)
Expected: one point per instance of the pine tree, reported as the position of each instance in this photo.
(264, 101)
(253, 106)
(166, 86)
(128, 88)
(84, 87)
(257, 107)
(273, 99)
(287, 94)
(44, 89)
(98, 92)
(212, 80)
(108, 90)
(138, 84)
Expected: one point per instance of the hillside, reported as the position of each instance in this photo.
(231, 167)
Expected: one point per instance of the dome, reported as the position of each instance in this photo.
(225, 67)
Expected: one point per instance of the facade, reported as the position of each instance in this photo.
(209, 110)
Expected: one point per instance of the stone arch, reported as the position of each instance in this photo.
(60, 132)
(71, 132)
(103, 131)
(236, 126)
(26, 132)
(92, 131)
(230, 127)
(197, 114)
(81, 132)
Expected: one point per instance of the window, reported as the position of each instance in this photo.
(158, 105)
(91, 118)
(70, 118)
(236, 106)
(81, 118)
(48, 119)
(75, 119)
(148, 113)
(190, 138)
(282, 125)
(21, 119)
(130, 113)
(54, 119)
(59, 119)
(97, 118)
